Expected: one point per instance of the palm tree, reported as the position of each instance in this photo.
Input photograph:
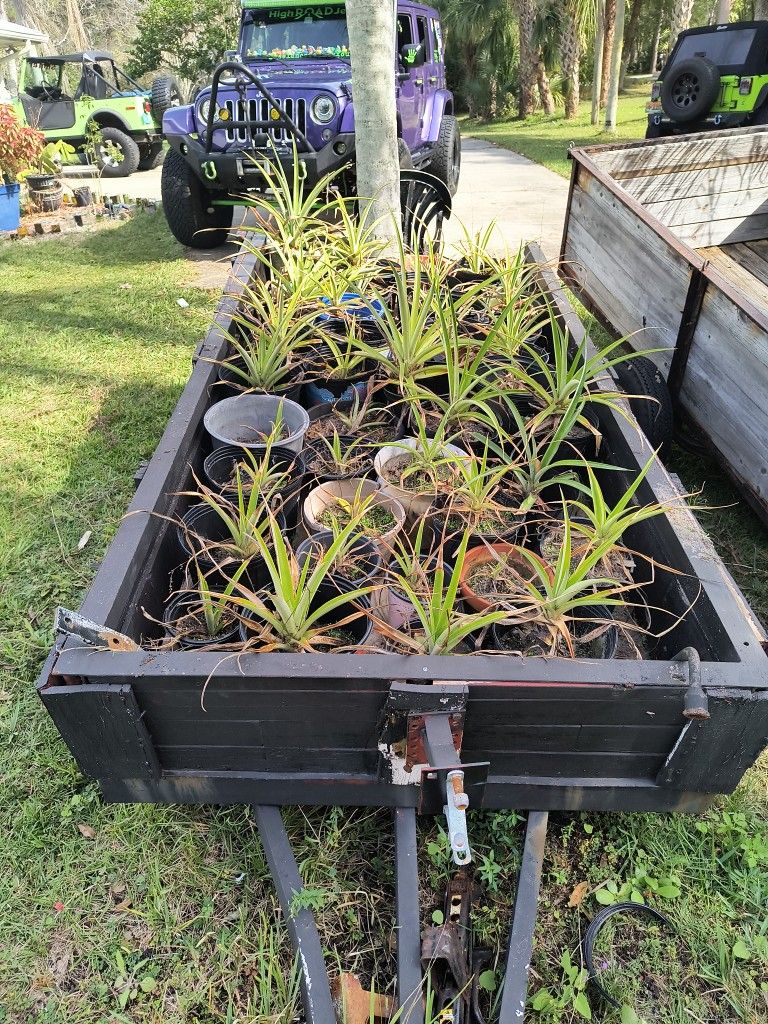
(681, 19)
(579, 24)
(372, 46)
(486, 31)
(529, 58)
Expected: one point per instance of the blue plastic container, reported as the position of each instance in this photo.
(10, 207)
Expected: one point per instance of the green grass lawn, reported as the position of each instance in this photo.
(143, 914)
(547, 139)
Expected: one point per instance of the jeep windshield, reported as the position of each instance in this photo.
(296, 33)
(724, 48)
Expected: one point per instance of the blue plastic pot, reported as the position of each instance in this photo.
(10, 207)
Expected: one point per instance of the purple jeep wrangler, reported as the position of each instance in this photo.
(290, 84)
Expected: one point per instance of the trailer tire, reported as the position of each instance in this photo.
(652, 406)
(446, 156)
(186, 205)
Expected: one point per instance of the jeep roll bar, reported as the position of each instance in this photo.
(215, 123)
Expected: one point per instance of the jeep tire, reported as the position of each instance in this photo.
(166, 93)
(152, 156)
(404, 156)
(117, 155)
(186, 203)
(690, 89)
(446, 156)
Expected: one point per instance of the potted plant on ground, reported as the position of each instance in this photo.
(20, 147)
(42, 179)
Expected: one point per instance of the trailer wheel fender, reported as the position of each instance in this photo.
(649, 398)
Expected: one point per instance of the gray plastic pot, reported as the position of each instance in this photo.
(246, 419)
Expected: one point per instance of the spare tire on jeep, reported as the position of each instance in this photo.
(166, 93)
(690, 89)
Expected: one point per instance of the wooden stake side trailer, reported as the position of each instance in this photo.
(666, 241)
(386, 730)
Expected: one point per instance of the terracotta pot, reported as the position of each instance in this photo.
(476, 557)
(321, 497)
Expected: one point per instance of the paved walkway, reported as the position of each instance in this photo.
(526, 200)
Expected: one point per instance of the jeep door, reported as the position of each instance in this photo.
(410, 89)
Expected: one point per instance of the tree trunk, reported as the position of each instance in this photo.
(761, 10)
(372, 46)
(653, 67)
(597, 72)
(571, 58)
(613, 88)
(723, 12)
(681, 19)
(546, 98)
(608, 37)
(630, 39)
(528, 64)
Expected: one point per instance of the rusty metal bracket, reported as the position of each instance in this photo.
(696, 705)
(73, 624)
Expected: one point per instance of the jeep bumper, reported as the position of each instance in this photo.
(243, 169)
(712, 122)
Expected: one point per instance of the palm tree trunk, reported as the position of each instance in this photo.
(372, 45)
(681, 19)
(608, 37)
(723, 12)
(597, 71)
(613, 88)
(630, 39)
(571, 61)
(655, 50)
(528, 63)
(546, 98)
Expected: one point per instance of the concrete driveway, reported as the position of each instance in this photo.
(526, 200)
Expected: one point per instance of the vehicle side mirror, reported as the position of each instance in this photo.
(230, 55)
(413, 55)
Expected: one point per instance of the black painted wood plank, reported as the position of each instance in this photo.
(586, 764)
(103, 728)
(293, 760)
(711, 756)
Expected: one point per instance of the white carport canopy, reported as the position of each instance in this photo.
(11, 35)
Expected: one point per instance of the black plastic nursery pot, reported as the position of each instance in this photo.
(367, 557)
(603, 734)
(317, 449)
(175, 614)
(351, 617)
(231, 383)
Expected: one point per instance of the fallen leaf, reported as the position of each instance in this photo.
(84, 540)
(124, 905)
(58, 906)
(86, 831)
(118, 888)
(578, 894)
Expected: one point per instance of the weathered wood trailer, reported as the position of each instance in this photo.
(665, 733)
(667, 241)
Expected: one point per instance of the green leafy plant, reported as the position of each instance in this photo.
(273, 326)
(551, 595)
(20, 146)
(286, 615)
(553, 1005)
(340, 358)
(216, 606)
(439, 626)
(476, 495)
(339, 454)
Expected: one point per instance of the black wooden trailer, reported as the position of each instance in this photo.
(666, 733)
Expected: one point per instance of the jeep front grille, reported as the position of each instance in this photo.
(259, 110)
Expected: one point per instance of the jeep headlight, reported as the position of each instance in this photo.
(204, 110)
(323, 110)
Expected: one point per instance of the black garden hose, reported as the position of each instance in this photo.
(596, 926)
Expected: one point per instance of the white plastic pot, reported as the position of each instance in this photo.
(324, 495)
(246, 419)
(416, 504)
